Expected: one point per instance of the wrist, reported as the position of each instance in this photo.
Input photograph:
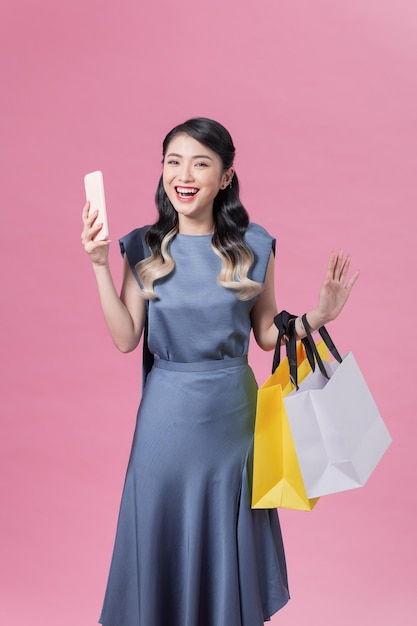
(315, 320)
(100, 267)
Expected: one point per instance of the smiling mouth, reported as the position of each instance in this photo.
(185, 193)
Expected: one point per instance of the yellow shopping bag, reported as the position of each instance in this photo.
(277, 478)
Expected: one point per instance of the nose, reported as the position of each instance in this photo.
(185, 173)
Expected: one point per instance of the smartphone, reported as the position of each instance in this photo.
(94, 191)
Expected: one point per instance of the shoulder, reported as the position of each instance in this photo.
(258, 238)
(262, 244)
(134, 245)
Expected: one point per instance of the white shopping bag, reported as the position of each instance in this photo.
(338, 432)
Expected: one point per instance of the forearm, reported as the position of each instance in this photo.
(122, 328)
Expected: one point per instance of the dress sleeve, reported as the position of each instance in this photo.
(134, 246)
(261, 244)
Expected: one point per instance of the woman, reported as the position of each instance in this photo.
(189, 550)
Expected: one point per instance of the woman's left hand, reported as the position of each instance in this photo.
(335, 289)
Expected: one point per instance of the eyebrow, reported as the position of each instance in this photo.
(196, 156)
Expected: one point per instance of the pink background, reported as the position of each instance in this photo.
(320, 98)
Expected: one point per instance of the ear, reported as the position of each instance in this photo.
(227, 178)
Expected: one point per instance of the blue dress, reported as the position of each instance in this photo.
(189, 550)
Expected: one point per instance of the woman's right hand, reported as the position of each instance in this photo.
(98, 251)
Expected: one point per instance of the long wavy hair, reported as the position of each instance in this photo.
(230, 220)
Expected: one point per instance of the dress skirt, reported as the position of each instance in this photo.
(189, 550)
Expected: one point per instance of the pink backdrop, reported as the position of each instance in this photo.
(320, 98)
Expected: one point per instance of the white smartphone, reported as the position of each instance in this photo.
(94, 191)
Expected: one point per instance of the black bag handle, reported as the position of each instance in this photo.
(282, 321)
(327, 340)
(285, 322)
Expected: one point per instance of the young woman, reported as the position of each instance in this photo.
(189, 550)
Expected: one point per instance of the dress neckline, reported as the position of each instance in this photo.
(210, 235)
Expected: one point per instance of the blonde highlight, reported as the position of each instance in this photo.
(235, 275)
(156, 266)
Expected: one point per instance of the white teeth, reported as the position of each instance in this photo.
(186, 192)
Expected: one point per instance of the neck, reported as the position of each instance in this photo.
(195, 227)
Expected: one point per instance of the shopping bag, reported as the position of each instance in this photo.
(277, 480)
(338, 432)
(318, 430)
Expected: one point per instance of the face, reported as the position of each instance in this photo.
(192, 177)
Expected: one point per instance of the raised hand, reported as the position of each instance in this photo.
(335, 289)
(97, 250)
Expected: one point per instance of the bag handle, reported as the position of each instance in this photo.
(282, 321)
(327, 340)
(285, 322)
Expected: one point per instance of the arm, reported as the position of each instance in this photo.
(264, 311)
(333, 296)
(124, 315)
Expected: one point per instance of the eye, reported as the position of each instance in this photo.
(201, 164)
